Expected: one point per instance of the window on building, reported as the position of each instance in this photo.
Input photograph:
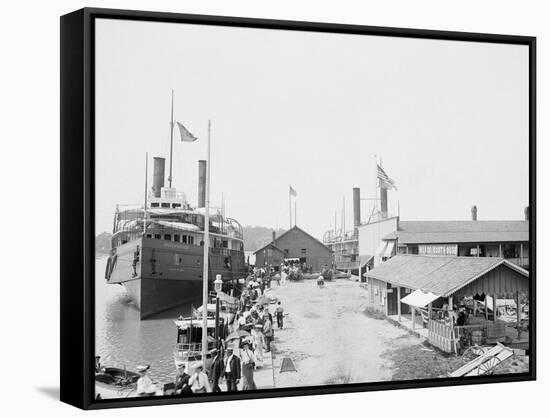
(155, 205)
(286, 251)
(157, 236)
(176, 238)
(167, 237)
(184, 239)
(224, 244)
(413, 249)
(176, 205)
(303, 251)
(149, 236)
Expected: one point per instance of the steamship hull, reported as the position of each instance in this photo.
(160, 275)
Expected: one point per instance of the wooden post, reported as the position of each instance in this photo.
(486, 308)
(494, 308)
(518, 314)
(500, 250)
(521, 254)
(413, 312)
(429, 312)
(399, 303)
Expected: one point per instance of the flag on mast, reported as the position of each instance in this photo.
(186, 136)
(385, 181)
(291, 191)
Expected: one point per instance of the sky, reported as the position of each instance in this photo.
(448, 119)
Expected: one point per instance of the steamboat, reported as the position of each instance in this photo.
(157, 248)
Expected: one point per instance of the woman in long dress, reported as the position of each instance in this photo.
(258, 342)
(248, 359)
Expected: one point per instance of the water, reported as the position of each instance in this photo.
(123, 340)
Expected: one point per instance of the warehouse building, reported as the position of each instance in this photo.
(294, 245)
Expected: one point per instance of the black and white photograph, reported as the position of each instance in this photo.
(283, 209)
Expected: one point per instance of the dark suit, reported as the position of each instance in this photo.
(182, 383)
(232, 376)
(216, 372)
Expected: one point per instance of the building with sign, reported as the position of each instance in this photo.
(294, 245)
(385, 238)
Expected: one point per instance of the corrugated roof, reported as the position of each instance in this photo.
(451, 232)
(437, 274)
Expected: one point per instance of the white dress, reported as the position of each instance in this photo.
(259, 342)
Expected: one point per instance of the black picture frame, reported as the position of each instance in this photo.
(77, 201)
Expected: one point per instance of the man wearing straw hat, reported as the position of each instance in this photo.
(199, 381)
(145, 386)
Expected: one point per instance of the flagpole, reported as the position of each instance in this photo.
(145, 200)
(171, 140)
(205, 254)
(375, 183)
(295, 212)
(289, 207)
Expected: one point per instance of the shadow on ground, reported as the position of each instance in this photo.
(51, 392)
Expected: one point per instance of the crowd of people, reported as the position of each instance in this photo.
(243, 356)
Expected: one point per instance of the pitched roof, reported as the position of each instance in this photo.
(451, 232)
(437, 274)
(294, 228)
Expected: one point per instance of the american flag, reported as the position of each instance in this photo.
(385, 181)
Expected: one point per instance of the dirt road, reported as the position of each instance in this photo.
(329, 338)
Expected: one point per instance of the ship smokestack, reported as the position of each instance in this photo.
(526, 213)
(474, 213)
(356, 208)
(158, 175)
(202, 184)
(384, 202)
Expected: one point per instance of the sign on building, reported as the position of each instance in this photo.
(438, 250)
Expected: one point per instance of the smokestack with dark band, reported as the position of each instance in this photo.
(158, 175)
(474, 213)
(202, 184)
(384, 201)
(356, 208)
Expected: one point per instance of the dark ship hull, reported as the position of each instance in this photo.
(160, 274)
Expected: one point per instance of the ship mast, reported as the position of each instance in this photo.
(171, 140)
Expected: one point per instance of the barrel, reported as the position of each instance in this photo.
(477, 337)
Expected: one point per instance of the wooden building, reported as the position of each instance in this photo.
(426, 292)
(295, 244)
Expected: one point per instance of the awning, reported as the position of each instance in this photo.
(389, 249)
(364, 260)
(380, 250)
(419, 299)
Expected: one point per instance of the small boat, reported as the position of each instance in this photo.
(188, 348)
(112, 382)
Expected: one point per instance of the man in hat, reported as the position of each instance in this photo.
(199, 380)
(182, 381)
(145, 386)
(279, 312)
(216, 370)
(232, 370)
